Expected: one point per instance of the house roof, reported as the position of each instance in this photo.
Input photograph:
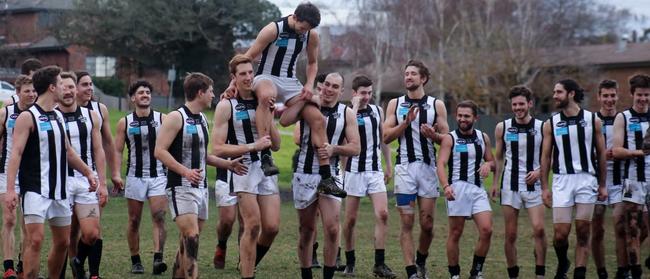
(21, 6)
(47, 43)
(606, 55)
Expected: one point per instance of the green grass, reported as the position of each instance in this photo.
(282, 260)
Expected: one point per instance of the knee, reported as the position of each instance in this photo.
(252, 230)
(511, 237)
(306, 231)
(582, 235)
(90, 236)
(159, 216)
(191, 245)
(36, 240)
(9, 221)
(62, 243)
(539, 232)
(134, 223)
(350, 221)
(485, 232)
(455, 234)
(382, 216)
(270, 230)
(331, 231)
(406, 226)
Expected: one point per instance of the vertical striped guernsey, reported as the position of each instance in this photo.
(574, 143)
(43, 169)
(636, 126)
(369, 122)
(467, 154)
(335, 129)
(522, 151)
(279, 57)
(141, 133)
(189, 148)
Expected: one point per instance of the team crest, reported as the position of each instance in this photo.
(582, 123)
(240, 107)
(82, 119)
(425, 106)
(532, 132)
(336, 115)
(154, 123)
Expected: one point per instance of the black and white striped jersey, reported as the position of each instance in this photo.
(614, 167)
(466, 156)
(335, 129)
(79, 126)
(522, 145)
(11, 114)
(189, 148)
(279, 57)
(140, 137)
(636, 126)
(241, 125)
(44, 166)
(574, 143)
(93, 105)
(413, 145)
(369, 159)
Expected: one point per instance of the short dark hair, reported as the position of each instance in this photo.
(309, 13)
(81, 74)
(194, 82)
(22, 80)
(69, 75)
(607, 84)
(571, 85)
(140, 83)
(321, 77)
(639, 81)
(422, 69)
(44, 77)
(520, 90)
(31, 64)
(361, 81)
(468, 104)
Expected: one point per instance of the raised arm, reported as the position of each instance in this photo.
(265, 37)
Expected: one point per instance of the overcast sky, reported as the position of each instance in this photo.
(336, 11)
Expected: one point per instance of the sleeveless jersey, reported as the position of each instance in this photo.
(140, 139)
(93, 105)
(189, 148)
(241, 125)
(79, 126)
(522, 145)
(335, 129)
(11, 114)
(369, 122)
(467, 154)
(614, 167)
(636, 126)
(574, 143)
(279, 57)
(414, 146)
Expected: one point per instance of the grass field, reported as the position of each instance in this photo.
(282, 260)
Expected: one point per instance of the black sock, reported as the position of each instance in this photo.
(95, 258)
(260, 252)
(328, 272)
(157, 256)
(83, 250)
(580, 272)
(135, 259)
(305, 273)
(477, 265)
(8, 264)
(513, 272)
(248, 277)
(602, 273)
(636, 271)
(410, 270)
(420, 259)
(561, 253)
(540, 270)
(350, 258)
(454, 270)
(379, 256)
(621, 271)
(324, 171)
(223, 244)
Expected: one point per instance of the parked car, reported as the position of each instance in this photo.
(6, 90)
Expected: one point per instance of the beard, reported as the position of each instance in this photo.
(465, 127)
(412, 87)
(563, 104)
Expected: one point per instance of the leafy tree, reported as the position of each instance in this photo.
(194, 35)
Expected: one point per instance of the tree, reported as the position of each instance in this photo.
(479, 49)
(194, 35)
